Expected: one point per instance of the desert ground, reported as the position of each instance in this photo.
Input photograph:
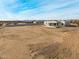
(38, 42)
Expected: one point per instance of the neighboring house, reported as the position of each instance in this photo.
(54, 23)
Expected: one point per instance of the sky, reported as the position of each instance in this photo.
(39, 9)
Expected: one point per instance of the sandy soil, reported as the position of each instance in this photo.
(37, 42)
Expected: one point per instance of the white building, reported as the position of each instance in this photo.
(54, 23)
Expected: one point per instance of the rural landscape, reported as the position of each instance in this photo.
(39, 29)
(37, 41)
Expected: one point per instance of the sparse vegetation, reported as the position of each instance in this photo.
(53, 51)
(36, 42)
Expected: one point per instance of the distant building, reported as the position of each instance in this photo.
(56, 23)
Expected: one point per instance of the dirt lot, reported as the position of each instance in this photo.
(37, 42)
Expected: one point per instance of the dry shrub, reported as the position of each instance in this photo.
(53, 51)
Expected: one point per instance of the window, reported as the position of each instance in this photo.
(52, 24)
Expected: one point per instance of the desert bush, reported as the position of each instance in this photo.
(53, 51)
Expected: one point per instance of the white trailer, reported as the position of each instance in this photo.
(54, 23)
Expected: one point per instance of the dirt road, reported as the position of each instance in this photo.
(37, 42)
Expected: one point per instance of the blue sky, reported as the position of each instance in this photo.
(39, 9)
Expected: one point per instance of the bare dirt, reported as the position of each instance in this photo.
(37, 42)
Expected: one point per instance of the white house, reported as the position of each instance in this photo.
(54, 23)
